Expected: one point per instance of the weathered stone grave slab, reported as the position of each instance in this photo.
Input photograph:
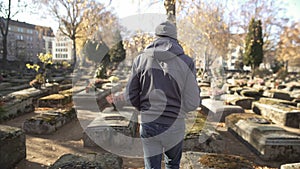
(278, 94)
(280, 114)
(205, 93)
(101, 161)
(15, 107)
(4, 85)
(48, 121)
(290, 166)
(36, 93)
(12, 146)
(273, 101)
(112, 128)
(199, 160)
(269, 141)
(217, 110)
(55, 100)
(202, 84)
(74, 90)
(19, 87)
(256, 94)
(56, 79)
(237, 90)
(244, 102)
(296, 96)
(65, 87)
(86, 100)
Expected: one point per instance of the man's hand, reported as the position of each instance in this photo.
(110, 99)
(115, 98)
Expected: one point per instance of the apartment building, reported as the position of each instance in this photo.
(235, 52)
(62, 49)
(25, 41)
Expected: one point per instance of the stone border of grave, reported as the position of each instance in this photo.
(12, 146)
(101, 161)
(269, 141)
(48, 121)
(22, 101)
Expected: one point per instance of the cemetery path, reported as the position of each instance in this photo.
(44, 150)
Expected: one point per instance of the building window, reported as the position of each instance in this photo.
(20, 29)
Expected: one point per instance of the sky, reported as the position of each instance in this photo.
(127, 8)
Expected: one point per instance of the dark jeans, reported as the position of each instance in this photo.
(162, 139)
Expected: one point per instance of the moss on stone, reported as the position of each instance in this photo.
(222, 161)
(234, 118)
(54, 97)
(198, 124)
(22, 96)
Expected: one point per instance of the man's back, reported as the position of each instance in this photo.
(164, 73)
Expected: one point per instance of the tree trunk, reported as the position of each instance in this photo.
(170, 6)
(4, 55)
(74, 51)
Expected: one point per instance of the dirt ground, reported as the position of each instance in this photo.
(44, 150)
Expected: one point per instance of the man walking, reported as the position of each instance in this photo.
(163, 88)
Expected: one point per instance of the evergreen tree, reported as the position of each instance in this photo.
(117, 52)
(98, 53)
(253, 55)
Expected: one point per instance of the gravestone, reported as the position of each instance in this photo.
(244, 102)
(269, 141)
(114, 130)
(256, 94)
(272, 101)
(217, 110)
(110, 126)
(278, 94)
(281, 114)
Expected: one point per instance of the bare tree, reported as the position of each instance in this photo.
(75, 17)
(205, 31)
(288, 48)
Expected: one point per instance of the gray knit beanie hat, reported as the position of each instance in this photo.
(166, 29)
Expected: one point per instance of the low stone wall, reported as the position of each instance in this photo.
(48, 121)
(101, 161)
(269, 141)
(12, 146)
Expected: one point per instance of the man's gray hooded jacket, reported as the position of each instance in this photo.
(163, 83)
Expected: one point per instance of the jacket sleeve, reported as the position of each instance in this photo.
(133, 89)
(191, 92)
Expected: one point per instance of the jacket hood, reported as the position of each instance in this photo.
(164, 48)
(166, 29)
